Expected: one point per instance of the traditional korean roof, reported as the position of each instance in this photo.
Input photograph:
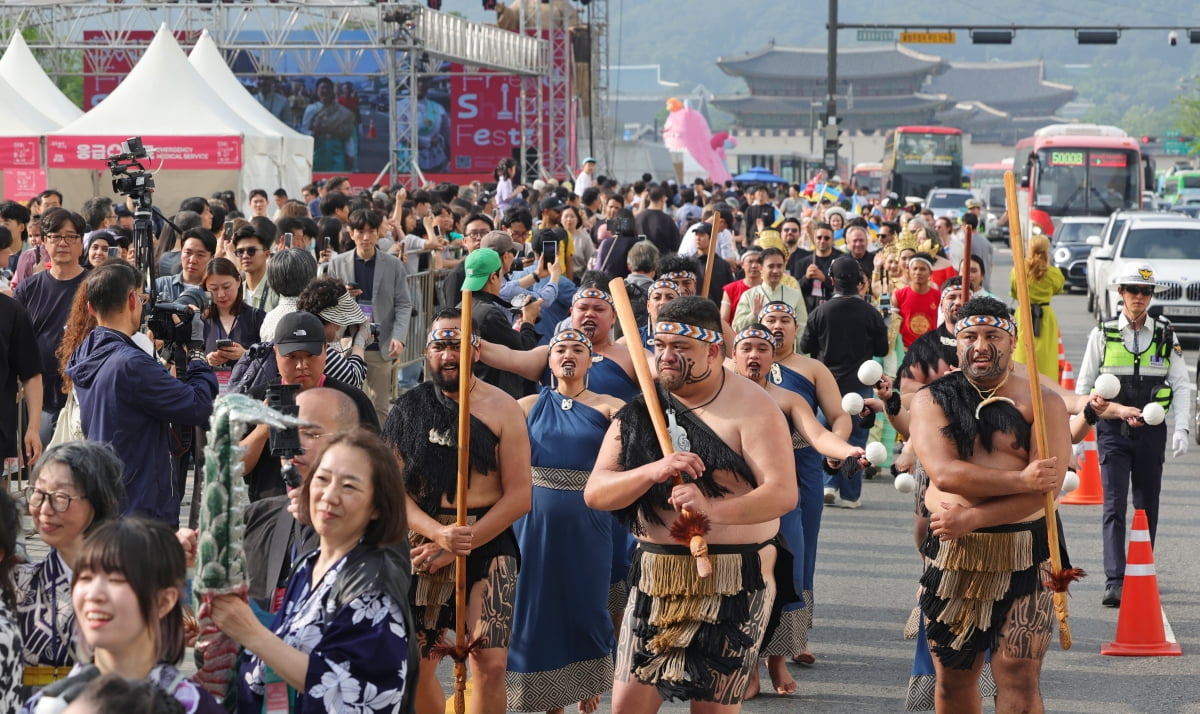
(1008, 86)
(855, 63)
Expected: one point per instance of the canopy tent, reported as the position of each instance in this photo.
(21, 69)
(296, 149)
(197, 143)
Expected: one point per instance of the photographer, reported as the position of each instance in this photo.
(128, 400)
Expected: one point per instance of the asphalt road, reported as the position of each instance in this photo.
(867, 571)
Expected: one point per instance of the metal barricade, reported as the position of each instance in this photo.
(425, 288)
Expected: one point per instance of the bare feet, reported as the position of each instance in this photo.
(781, 679)
(752, 686)
(805, 659)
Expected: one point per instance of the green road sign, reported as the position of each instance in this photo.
(876, 35)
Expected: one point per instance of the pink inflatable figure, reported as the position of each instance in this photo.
(687, 130)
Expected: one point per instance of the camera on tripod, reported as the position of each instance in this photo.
(171, 322)
(129, 176)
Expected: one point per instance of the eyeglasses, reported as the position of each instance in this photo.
(477, 234)
(60, 237)
(142, 297)
(824, 236)
(250, 252)
(59, 501)
(791, 230)
(314, 435)
(1145, 291)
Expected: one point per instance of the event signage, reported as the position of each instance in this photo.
(188, 152)
(20, 152)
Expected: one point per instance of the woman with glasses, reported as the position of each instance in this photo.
(76, 486)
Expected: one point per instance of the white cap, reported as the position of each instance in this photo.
(1135, 274)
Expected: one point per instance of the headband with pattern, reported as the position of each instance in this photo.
(664, 283)
(596, 293)
(986, 321)
(684, 330)
(678, 275)
(570, 334)
(450, 334)
(777, 307)
(751, 333)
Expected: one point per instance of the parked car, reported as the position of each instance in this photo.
(1173, 248)
(1070, 249)
(948, 202)
(1102, 244)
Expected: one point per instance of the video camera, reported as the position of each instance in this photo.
(129, 176)
(171, 322)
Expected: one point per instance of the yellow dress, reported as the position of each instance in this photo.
(1046, 343)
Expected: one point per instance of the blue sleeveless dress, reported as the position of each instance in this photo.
(562, 639)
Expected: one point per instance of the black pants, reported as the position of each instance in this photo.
(1136, 459)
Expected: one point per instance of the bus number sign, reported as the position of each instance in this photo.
(1066, 158)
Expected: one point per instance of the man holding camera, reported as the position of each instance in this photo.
(126, 399)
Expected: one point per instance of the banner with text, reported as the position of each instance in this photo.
(166, 152)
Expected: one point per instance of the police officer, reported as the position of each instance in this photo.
(1144, 354)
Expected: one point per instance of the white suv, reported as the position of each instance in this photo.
(1103, 245)
(1173, 248)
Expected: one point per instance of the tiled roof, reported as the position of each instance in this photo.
(999, 83)
(809, 62)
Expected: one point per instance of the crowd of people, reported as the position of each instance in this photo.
(754, 313)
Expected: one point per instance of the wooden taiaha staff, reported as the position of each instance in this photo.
(1059, 579)
(714, 231)
(966, 264)
(689, 527)
(461, 645)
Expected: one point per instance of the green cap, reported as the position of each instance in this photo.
(480, 265)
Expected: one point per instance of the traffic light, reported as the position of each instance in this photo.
(1149, 139)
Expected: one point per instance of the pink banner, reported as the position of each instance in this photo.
(23, 153)
(166, 152)
(23, 184)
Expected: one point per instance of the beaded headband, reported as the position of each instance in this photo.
(450, 334)
(919, 259)
(678, 275)
(685, 330)
(777, 307)
(986, 321)
(596, 293)
(668, 284)
(571, 335)
(751, 333)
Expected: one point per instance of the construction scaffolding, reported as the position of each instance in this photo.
(362, 38)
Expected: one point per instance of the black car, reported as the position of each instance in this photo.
(1069, 249)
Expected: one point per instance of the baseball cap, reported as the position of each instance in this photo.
(890, 202)
(845, 268)
(480, 265)
(589, 160)
(300, 331)
(498, 241)
(974, 203)
(551, 203)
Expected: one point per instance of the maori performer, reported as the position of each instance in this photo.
(422, 430)
(686, 637)
(562, 642)
(753, 358)
(659, 293)
(987, 537)
(813, 381)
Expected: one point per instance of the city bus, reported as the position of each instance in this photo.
(869, 175)
(918, 159)
(1079, 170)
(985, 175)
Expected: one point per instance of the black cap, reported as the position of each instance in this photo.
(845, 268)
(552, 203)
(298, 331)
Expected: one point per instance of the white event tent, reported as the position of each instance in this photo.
(296, 149)
(197, 143)
(21, 69)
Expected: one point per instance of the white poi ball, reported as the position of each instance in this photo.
(1070, 482)
(852, 403)
(1108, 386)
(1153, 414)
(869, 372)
(905, 483)
(876, 453)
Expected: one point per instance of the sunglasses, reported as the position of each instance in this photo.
(1145, 291)
(250, 252)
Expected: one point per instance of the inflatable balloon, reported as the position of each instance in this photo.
(687, 130)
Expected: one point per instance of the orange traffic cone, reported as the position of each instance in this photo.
(1062, 356)
(1067, 380)
(1140, 629)
(371, 130)
(1090, 491)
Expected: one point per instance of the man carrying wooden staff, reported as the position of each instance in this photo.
(423, 429)
(728, 435)
(987, 537)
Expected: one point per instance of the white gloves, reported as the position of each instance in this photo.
(1179, 443)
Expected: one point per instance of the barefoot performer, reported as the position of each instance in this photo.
(678, 640)
(422, 428)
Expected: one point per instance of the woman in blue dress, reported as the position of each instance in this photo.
(341, 640)
(562, 641)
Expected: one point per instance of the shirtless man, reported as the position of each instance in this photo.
(735, 434)
(753, 358)
(971, 431)
(422, 428)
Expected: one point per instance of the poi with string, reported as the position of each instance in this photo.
(464, 644)
(689, 527)
(713, 232)
(1060, 579)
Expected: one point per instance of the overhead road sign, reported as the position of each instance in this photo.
(927, 38)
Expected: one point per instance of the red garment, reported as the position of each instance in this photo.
(939, 277)
(918, 312)
(734, 292)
